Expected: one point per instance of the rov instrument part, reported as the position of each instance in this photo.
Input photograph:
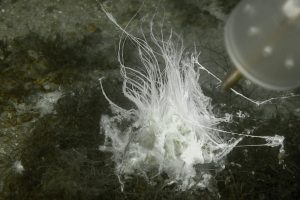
(263, 41)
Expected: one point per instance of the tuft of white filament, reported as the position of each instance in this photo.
(172, 128)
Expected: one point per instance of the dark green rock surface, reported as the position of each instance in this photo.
(52, 54)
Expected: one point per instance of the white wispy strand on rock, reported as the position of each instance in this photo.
(172, 129)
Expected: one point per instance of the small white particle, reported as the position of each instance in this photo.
(249, 9)
(18, 167)
(240, 114)
(47, 87)
(297, 112)
(228, 117)
(267, 51)
(248, 82)
(289, 63)
(253, 31)
(47, 101)
(291, 9)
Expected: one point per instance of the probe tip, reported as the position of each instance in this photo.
(231, 80)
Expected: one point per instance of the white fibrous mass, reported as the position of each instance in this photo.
(172, 128)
